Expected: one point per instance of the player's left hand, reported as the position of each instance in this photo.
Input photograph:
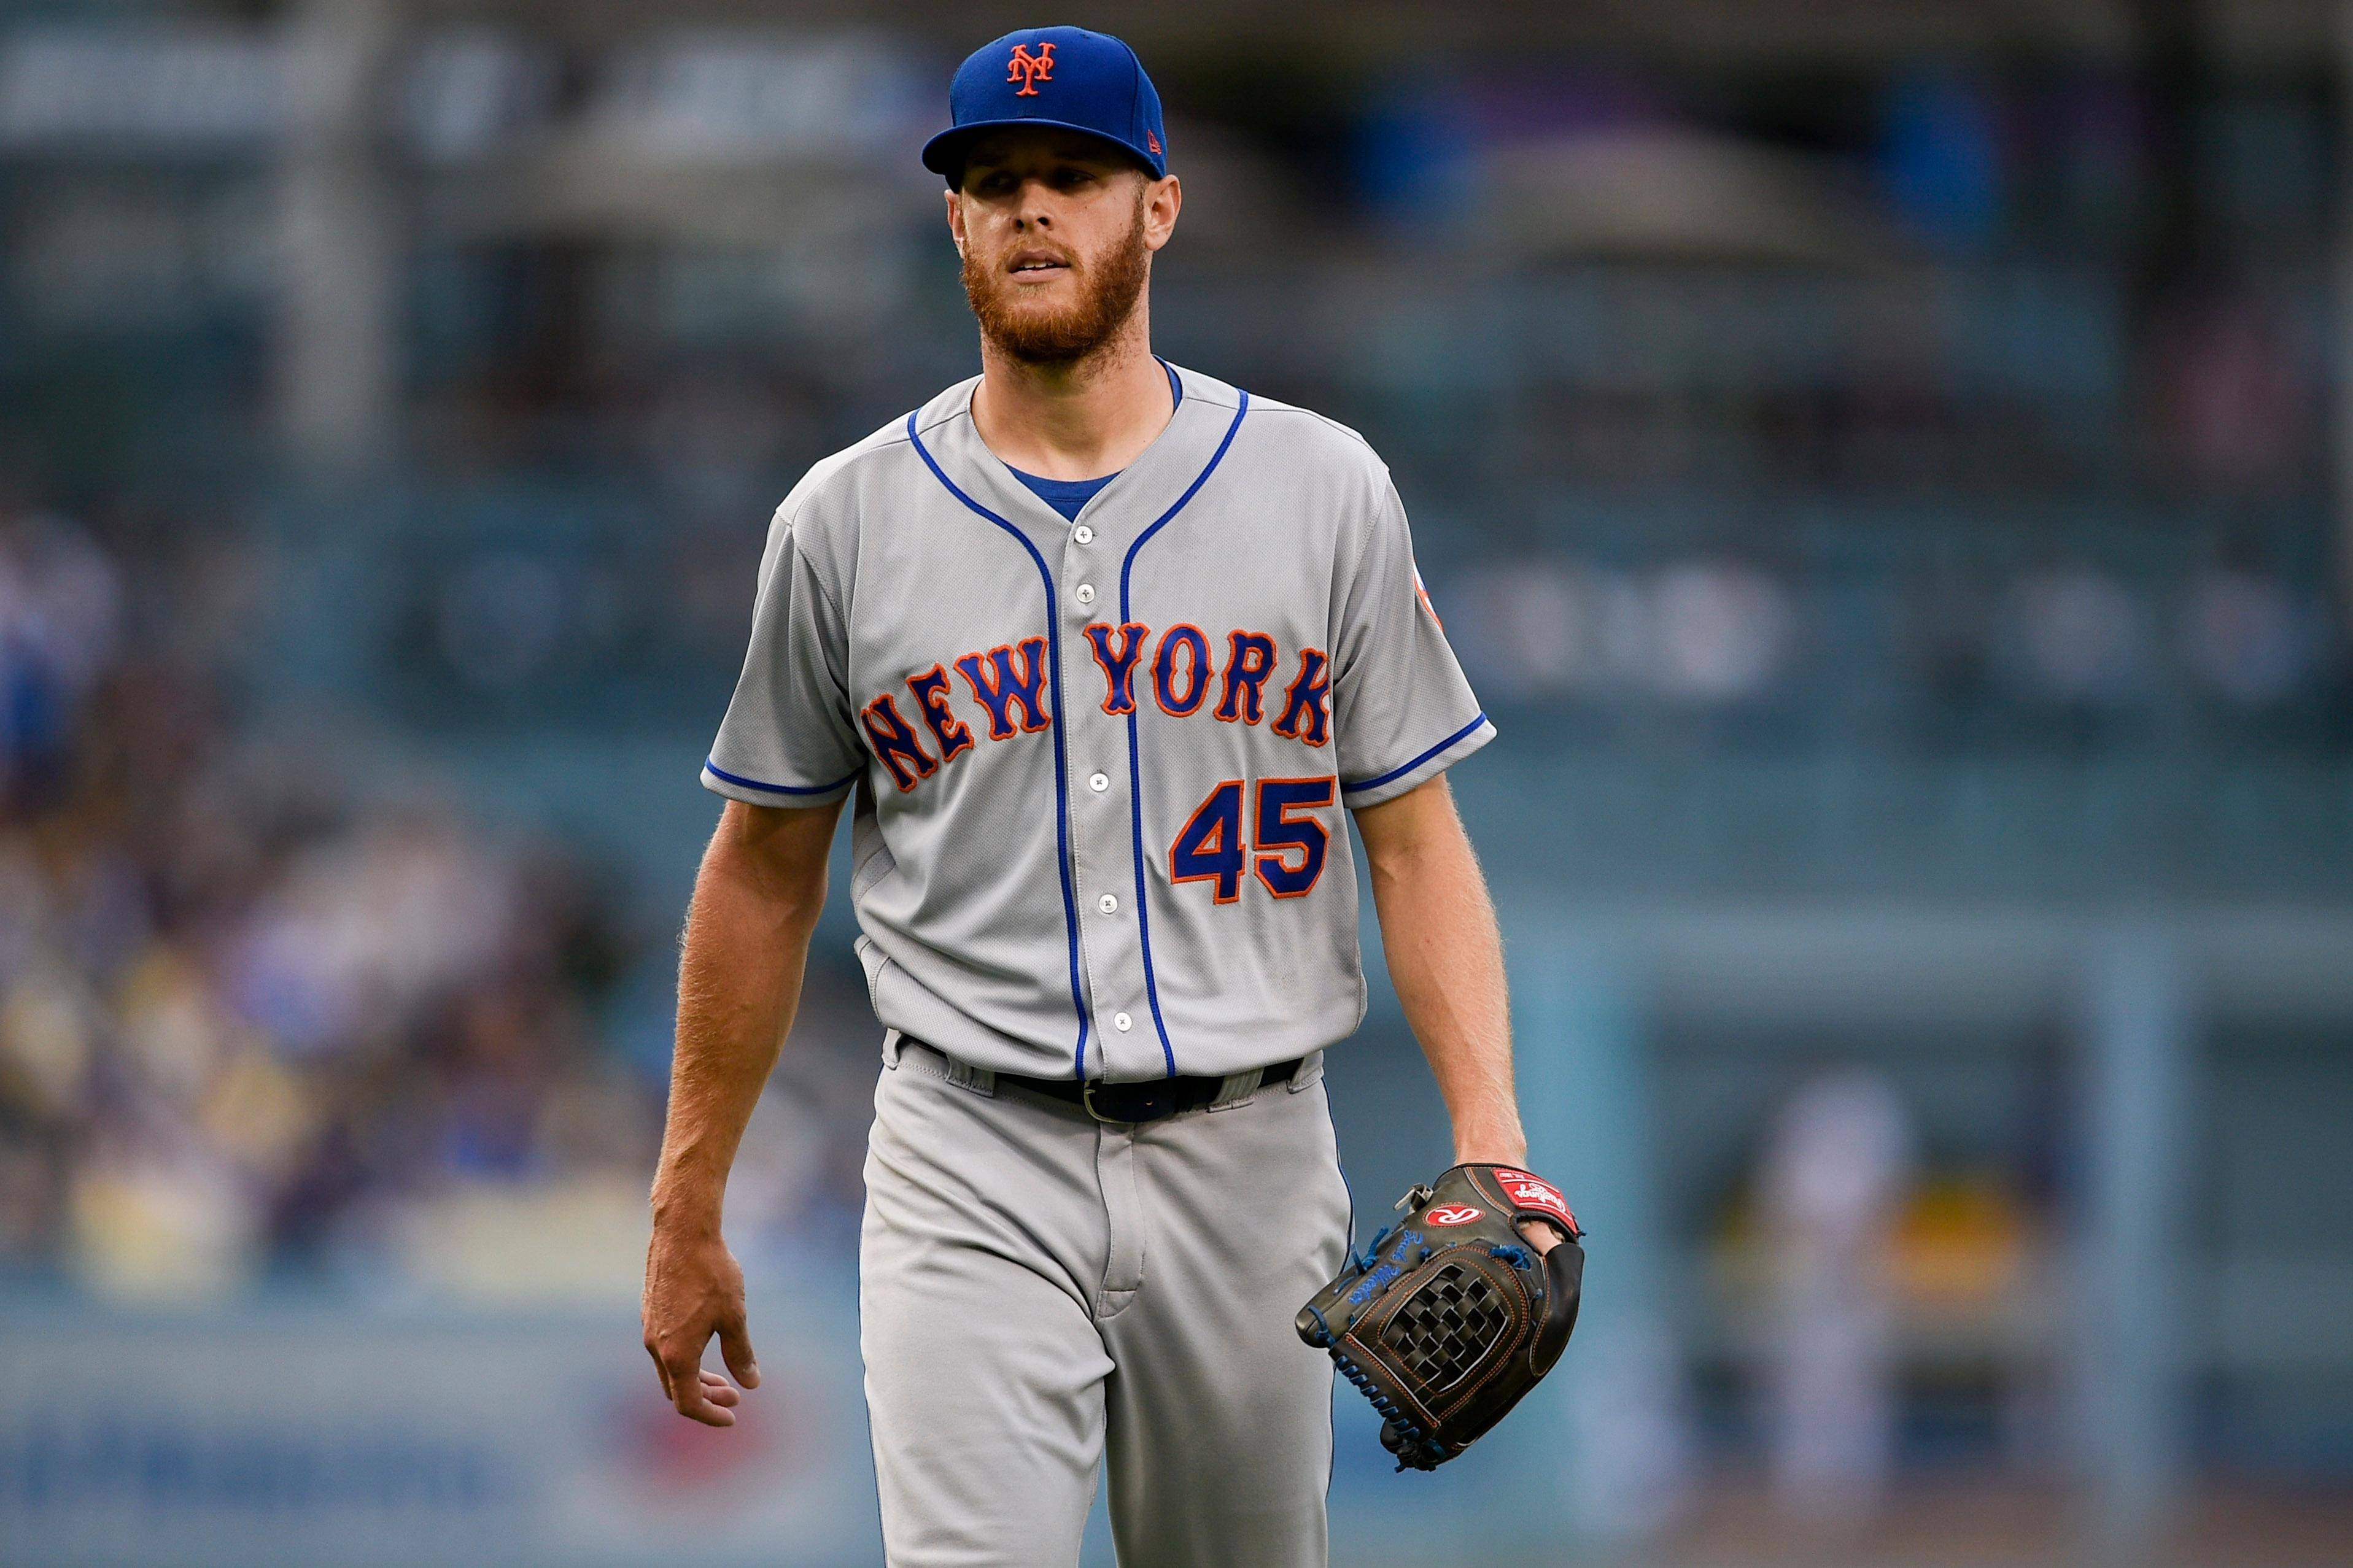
(1446, 1320)
(1541, 1235)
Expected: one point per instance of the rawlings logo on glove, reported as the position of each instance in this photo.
(1444, 1332)
(1535, 1193)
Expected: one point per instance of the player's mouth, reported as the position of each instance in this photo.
(1037, 265)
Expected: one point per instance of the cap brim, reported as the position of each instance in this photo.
(944, 154)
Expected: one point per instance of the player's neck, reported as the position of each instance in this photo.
(1077, 421)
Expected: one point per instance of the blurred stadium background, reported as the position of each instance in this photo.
(1883, 461)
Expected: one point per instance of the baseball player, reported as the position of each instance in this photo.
(1106, 653)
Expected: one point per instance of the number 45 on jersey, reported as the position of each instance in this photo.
(1285, 851)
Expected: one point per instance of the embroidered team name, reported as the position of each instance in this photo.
(1006, 689)
(1010, 682)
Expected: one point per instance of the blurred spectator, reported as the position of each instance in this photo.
(2233, 410)
(2075, 634)
(58, 610)
(2245, 636)
(1832, 1181)
(1723, 630)
(1700, 631)
(1941, 156)
(1529, 629)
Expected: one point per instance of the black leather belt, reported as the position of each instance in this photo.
(1148, 1100)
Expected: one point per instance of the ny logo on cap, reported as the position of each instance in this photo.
(1029, 70)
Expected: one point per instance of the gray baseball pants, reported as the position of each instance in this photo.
(1040, 1292)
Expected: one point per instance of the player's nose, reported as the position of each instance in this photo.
(1034, 209)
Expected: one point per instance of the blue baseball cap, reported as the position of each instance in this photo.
(1062, 77)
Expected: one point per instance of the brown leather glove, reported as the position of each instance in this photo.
(1449, 1318)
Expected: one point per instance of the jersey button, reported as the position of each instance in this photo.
(1108, 903)
(1086, 594)
(1099, 782)
(1122, 1022)
(1083, 535)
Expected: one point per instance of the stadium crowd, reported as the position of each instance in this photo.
(245, 1009)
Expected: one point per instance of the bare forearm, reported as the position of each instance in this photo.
(1446, 960)
(746, 950)
(747, 933)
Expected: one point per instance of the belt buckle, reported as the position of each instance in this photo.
(1157, 1101)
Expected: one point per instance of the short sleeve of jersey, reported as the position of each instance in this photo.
(1401, 708)
(788, 738)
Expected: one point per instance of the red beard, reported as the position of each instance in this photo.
(1107, 295)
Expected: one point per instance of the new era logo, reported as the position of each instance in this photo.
(1029, 70)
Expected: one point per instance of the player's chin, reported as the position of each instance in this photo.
(1039, 295)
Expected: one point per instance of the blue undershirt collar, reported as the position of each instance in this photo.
(1068, 497)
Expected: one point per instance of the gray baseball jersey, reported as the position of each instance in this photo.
(1101, 765)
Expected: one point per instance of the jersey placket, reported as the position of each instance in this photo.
(1135, 1035)
(1101, 850)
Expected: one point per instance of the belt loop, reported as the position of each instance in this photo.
(891, 1042)
(1236, 1088)
(964, 1075)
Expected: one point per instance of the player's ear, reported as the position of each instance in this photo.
(1162, 199)
(955, 217)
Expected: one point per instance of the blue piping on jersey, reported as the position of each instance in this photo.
(1135, 771)
(1400, 772)
(718, 773)
(1062, 769)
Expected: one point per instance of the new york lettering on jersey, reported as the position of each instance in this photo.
(1101, 766)
(1008, 685)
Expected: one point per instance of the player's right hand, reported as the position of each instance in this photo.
(694, 1289)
